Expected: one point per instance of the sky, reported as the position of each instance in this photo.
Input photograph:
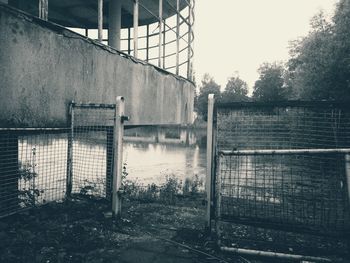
(239, 35)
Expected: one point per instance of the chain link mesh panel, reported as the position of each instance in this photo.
(297, 192)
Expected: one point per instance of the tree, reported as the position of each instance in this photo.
(310, 60)
(270, 85)
(208, 86)
(236, 90)
(319, 67)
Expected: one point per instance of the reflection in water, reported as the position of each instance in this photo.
(146, 162)
(152, 162)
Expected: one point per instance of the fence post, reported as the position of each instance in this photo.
(347, 172)
(117, 156)
(208, 181)
(70, 152)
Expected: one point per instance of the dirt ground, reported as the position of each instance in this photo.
(82, 230)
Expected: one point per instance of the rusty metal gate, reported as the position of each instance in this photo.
(281, 173)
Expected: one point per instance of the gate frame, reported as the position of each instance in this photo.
(117, 150)
(211, 177)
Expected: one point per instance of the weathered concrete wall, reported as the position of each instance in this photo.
(43, 67)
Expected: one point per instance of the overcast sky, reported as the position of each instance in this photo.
(239, 35)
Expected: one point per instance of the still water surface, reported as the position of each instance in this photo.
(152, 162)
(145, 162)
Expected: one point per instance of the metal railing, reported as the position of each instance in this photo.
(169, 47)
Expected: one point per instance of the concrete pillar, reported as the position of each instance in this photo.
(115, 23)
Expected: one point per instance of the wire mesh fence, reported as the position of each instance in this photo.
(33, 166)
(284, 126)
(92, 149)
(40, 165)
(284, 167)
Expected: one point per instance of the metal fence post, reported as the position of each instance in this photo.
(117, 156)
(347, 172)
(208, 181)
(70, 152)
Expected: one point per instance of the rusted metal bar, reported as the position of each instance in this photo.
(70, 152)
(177, 35)
(43, 9)
(347, 172)
(147, 43)
(160, 33)
(285, 151)
(189, 41)
(100, 20)
(129, 41)
(136, 26)
(164, 40)
(250, 252)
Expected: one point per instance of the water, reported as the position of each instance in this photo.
(146, 162)
(149, 163)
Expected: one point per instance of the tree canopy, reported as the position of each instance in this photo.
(270, 85)
(236, 90)
(319, 67)
(208, 86)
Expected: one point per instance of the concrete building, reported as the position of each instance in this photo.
(44, 64)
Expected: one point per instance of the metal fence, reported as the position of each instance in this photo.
(283, 166)
(40, 165)
(33, 165)
(91, 142)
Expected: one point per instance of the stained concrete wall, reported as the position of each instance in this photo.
(44, 66)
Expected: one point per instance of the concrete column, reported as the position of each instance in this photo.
(136, 28)
(115, 23)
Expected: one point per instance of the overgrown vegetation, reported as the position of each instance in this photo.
(26, 172)
(168, 193)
